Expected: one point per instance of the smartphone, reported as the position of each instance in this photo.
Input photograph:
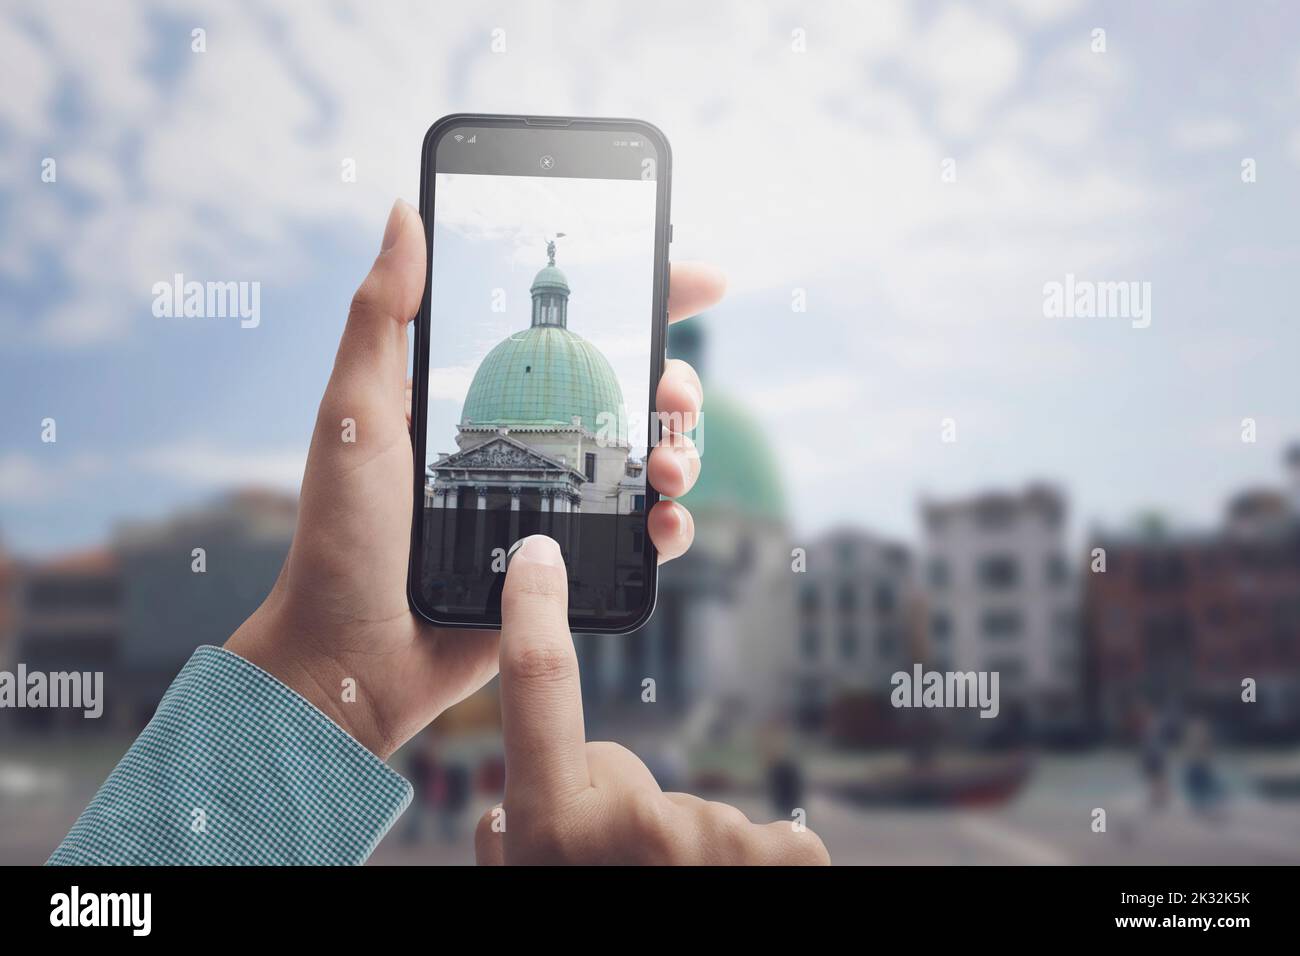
(538, 348)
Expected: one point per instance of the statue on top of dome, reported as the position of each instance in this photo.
(550, 249)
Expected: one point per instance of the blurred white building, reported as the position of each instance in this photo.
(1002, 597)
(855, 611)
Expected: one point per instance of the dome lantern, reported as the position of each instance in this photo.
(550, 291)
(547, 377)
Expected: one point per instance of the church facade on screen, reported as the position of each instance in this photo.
(544, 426)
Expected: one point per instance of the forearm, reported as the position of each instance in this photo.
(236, 768)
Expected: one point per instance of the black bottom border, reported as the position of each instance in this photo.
(975, 904)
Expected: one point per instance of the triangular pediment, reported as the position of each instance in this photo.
(501, 453)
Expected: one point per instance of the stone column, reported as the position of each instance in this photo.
(514, 512)
(480, 525)
(575, 531)
(449, 528)
(566, 509)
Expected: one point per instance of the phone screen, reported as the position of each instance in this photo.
(543, 345)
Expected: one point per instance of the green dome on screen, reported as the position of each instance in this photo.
(546, 375)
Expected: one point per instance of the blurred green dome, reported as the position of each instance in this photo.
(546, 376)
(738, 474)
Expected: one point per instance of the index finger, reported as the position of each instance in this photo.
(541, 696)
(692, 288)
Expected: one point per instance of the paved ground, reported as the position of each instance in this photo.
(1049, 824)
(42, 790)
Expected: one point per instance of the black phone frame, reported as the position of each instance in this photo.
(658, 350)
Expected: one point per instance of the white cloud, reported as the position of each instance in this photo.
(819, 393)
(29, 479)
(26, 479)
(1293, 145)
(969, 60)
(24, 67)
(803, 155)
(21, 478)
(205, 464)
(818, 170)
(603, 219)
(1044, 11)
(1208, 133)
(450, 383)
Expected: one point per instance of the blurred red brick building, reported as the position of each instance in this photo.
(1179, 621)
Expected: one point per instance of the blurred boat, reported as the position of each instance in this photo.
(966, 781)
(1276, 777)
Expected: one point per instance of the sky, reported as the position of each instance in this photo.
(910, 175)
(490, 241)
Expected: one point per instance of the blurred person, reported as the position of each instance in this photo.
(424, 770)
(1154, 746)
(491, 775)
(666, 762)
(455, 798)
(1201, 782)
(783, 773)
(256, 754)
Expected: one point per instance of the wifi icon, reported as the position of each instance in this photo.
(458, 137)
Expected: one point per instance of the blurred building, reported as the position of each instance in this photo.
(137, 609)
(726, 609)
(8, 598)
(69, 618)
(1178, 620)
(1002, 597)
(168, 609)
(855, 602)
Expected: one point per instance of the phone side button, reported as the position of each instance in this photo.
(668, 279)
(670, 232)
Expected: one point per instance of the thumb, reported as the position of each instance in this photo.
(373, 351)
(368, 385)
(541, 694)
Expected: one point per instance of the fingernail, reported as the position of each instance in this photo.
(539, 549)
(684, 466)
(393, 228)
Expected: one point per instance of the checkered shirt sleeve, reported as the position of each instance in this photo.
(236, 768)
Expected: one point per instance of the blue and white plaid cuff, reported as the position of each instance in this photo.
(236, 768)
